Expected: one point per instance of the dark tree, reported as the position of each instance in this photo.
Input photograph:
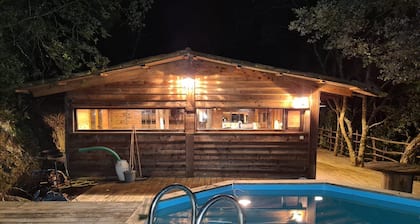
(42, 39)
(384, 35)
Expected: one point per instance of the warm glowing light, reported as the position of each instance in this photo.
(83, 119)
(187, 83)
(318, 198)
(300, 102)
(244, 202)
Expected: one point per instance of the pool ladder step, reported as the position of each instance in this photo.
(195, 219)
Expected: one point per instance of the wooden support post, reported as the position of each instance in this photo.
(313, 134)
(189, 155)
(190, 118)
(189, 143)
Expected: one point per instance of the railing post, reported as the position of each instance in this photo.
(329, 139)
(320, 137)
(374, 149)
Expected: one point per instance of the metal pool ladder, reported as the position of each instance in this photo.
(155, 201)
(217, 198)
(194, 206)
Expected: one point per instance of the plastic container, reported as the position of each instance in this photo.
(120, 167)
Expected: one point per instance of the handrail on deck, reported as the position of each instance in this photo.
(216, 199)
(156, 199)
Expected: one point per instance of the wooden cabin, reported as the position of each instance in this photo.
(195, 115)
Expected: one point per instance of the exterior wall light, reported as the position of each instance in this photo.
(187, 83)
(300, 102)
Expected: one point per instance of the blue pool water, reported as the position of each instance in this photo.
(297, 203)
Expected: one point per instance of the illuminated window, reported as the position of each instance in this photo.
(294, 119)
(240, 119)
(126, 119)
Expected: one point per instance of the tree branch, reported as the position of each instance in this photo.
(349, 127)
(52, 11)
(318, 56)
(377, 123)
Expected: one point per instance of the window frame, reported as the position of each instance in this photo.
(284, 127)
(180, 111)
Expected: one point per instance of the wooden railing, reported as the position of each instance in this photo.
(377, 149)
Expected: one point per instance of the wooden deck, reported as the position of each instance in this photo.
(114, 202)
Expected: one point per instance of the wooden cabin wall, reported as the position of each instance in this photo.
(221, 86)
(161, 154)
(251, 155)
(197, 153)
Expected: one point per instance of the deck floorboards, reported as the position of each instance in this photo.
(114, 202)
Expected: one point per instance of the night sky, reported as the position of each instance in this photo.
(250, 30)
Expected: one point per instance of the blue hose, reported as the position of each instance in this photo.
(101, 148)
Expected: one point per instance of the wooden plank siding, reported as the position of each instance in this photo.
(190, 152)
(251, 155)
(161, 154)
(217, 154)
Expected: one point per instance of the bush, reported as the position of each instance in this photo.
(14, 161)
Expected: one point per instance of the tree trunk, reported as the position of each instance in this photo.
(347, 135)
(365, 129)
(409, 155)
(337, 135)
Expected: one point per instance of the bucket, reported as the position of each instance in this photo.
(130, 176)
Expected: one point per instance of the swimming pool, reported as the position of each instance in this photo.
(295, 203)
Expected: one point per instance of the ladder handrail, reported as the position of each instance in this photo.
(166, 189)
(216, 199)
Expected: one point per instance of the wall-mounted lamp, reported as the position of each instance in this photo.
(300, 102)
(187, 83)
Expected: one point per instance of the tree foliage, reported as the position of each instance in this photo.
(383, 33)
(42, 39)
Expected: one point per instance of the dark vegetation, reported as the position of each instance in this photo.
(373, 43)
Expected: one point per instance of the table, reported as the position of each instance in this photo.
(397, 176)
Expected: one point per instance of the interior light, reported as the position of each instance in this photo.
(300, 102)
(244, 202)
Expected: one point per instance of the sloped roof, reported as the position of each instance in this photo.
(116, 73)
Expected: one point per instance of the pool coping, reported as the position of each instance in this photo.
(289, 181)
(170, 195)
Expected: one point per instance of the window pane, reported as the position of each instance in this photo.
(126, 119)
(242, 119)
(294, 119)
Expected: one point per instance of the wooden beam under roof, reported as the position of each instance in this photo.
(336, 90)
